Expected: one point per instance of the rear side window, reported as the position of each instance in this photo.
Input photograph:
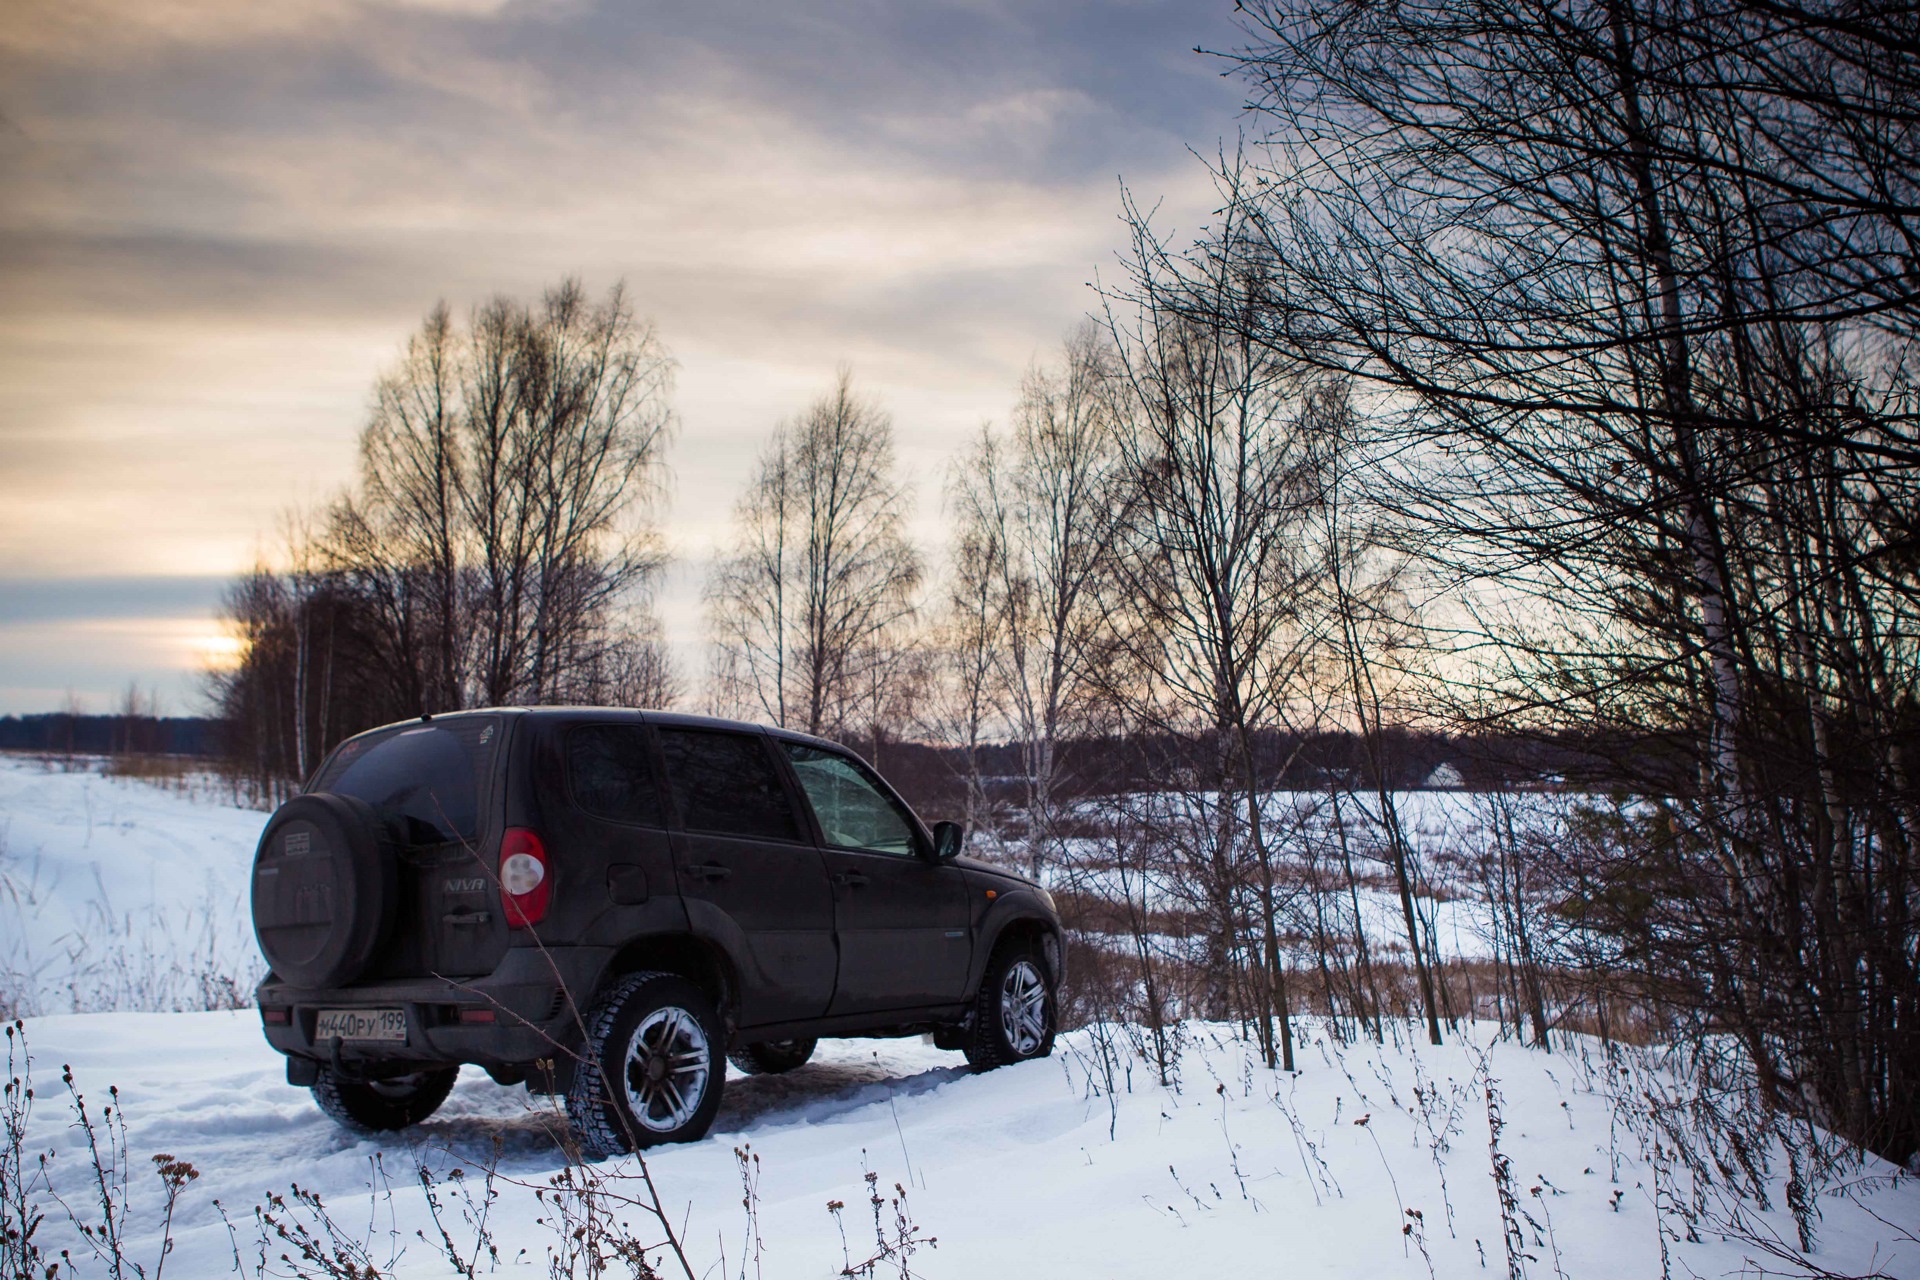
(725, 784)
(432, 779)
(612, 773)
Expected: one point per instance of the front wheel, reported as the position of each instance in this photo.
(381, 1106)
(653, 1067)
(1016, 1014)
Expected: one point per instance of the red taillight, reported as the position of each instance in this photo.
(276, 1017)
(524, 880)
(469, 1017)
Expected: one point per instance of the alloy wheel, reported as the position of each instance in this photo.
(668, 1060)
(1023, 1008)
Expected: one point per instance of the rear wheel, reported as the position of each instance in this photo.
(771, 1057)
(653, 1069)
(381, 1106)
(1015, 1015)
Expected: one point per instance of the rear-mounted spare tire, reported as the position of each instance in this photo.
(324, 887)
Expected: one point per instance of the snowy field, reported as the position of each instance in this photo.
(1037, 1170)
(117, 893)
(1021, 1172)
(1450, 832)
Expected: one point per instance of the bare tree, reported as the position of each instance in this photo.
(809, 607)
(137, 727)
(1040, 507)
(1367, 612)
(963, 707)
(1629, 289)
(503, 529)
(405, 533)
(1218, 547)
(500, 545)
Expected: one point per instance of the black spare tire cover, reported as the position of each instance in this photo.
(324, 884)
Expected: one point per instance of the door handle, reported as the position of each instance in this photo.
(852, 879)
(710, 872)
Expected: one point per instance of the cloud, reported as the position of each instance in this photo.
(219, 220)
(89, 32)
(44, 600)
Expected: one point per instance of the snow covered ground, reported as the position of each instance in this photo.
(1021, 1172)
(1035, 1170)
(1451, 833)
(116, 893)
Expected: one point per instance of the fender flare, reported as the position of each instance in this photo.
(1019, 909)
(706, 947)
(721, 937)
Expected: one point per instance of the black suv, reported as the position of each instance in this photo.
(606, 904)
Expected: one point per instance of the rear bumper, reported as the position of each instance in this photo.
(537, 998)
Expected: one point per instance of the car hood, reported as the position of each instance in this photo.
(995, 871)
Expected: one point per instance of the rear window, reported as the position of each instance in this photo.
(432, 779)
(725, 783)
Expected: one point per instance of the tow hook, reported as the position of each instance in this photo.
(340, 1068)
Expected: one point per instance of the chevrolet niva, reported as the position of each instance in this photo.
(609, 904)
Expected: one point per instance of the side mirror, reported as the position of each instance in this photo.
(947, 839)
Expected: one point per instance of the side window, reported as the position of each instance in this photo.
(612, 775)
(853, 812)
(724, 784)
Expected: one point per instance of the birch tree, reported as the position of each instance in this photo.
(1038, 507)
(809, 607)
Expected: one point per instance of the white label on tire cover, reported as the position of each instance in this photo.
(362, 1024)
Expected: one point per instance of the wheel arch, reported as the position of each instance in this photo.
(698, 961)
(1019, 923)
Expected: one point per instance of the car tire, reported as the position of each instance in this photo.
(381, 1106)
(1016, 1012)
(652, 1068)
(772, 1057)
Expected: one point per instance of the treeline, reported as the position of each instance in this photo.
(942, 779)
(67, 733)
(1548, 370)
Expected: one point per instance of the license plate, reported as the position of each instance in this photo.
(362, 1024)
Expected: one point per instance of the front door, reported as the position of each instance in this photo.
(750, 878)
(901, 917)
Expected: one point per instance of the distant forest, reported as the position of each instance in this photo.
(111, 735)
(934, 777)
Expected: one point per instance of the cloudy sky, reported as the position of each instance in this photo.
(220, 219)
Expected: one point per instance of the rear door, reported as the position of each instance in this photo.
(901, 917)
(749, 875)
(434, 785)
(613, 867)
